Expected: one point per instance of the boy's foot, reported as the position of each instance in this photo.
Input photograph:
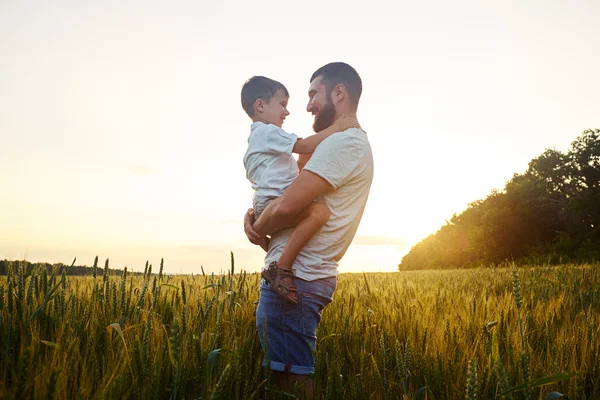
(281, 281)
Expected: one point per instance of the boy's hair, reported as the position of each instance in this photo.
(259, 87)
(336, 73)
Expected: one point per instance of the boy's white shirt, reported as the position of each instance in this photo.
(269, 163)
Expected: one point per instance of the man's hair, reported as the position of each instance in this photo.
(336, 73)
(259, 87)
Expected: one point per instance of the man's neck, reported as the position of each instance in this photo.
(345, 114)
(348, 115)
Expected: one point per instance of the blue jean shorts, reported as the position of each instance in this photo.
(288, 334)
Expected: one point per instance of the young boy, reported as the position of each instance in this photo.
(271, 168)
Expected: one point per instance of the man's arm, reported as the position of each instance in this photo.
(281, 211)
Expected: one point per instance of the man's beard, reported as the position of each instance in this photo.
(326, 116)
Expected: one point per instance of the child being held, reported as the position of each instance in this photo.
(271, 168)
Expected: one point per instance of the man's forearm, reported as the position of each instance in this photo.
(284, 211)
(271, 219)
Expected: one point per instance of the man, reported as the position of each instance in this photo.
(339, 173)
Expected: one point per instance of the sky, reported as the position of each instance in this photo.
(122, 133)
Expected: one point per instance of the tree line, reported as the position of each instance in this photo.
(75, 270)
(548, 214)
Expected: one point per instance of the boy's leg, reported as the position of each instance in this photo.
(259, 204)
(310, 221)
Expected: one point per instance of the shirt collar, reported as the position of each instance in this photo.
(256, 125)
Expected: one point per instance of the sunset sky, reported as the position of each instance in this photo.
(122, 134)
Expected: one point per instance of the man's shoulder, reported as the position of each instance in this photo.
(341, 157)
(350, 140)
(357, 135)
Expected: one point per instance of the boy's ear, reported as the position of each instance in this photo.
(338, 93)
(259, 105)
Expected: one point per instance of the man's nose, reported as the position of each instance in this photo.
(310, 106)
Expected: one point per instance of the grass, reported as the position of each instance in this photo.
(429, 334)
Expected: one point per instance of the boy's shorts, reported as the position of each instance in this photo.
(288, 334)
(260, 203)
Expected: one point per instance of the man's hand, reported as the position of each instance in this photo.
(253, 237)
(343, 123)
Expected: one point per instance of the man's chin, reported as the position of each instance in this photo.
(318, 125)
(317, 128)
(324, 118)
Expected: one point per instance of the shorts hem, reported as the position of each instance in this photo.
(293, 369)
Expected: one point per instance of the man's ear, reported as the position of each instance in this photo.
(338, 93)
(259, 105)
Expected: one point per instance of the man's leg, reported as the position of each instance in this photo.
(300, 385)
(288, 334)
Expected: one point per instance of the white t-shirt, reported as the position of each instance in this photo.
(344, 160)
(270, 166)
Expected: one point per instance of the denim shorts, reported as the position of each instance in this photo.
(288, 334)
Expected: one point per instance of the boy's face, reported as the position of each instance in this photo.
(275, 110)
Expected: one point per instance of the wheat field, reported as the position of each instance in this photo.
(526, 333)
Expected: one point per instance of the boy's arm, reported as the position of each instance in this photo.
(302, 160)
(308, 145)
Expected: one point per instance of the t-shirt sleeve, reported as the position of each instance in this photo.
(336, 160)
(278, 141)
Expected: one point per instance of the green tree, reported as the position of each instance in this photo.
(551, 210)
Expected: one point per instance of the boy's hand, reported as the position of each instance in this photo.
(344, 123)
